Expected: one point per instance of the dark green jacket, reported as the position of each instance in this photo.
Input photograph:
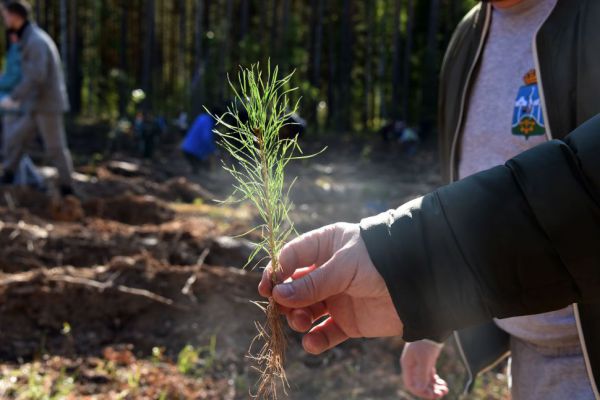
(498, 244)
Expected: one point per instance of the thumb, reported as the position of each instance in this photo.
(328, 280)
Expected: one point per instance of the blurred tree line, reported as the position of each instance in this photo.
(358, 63)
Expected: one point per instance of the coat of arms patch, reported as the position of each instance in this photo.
(528, 116)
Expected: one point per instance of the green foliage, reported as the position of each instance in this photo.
(179, 52)
(38, 387)
(187, 359)
(197, 360)
(134, 379)
(260, 155)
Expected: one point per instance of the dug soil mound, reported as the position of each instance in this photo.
(132, 210)
(131, 300)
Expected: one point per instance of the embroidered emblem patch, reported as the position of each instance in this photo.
(528, 117)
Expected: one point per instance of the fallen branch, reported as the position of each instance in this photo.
(187, 288)
(100, 286)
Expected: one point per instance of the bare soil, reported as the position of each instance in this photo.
(100, 294)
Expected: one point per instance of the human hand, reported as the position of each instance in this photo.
(420, 377)
(328, 273)
(8, 103)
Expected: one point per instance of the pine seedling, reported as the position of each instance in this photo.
(253, 123)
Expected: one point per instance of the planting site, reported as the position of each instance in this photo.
(136, 289)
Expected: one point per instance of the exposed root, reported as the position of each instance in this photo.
(271, 356)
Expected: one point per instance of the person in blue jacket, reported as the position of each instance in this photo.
(199, 142)
(12, 73)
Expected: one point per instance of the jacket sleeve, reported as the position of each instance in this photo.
(35, 70)
(518, 239)
(12, 76)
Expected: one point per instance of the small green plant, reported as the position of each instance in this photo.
(134, 379)
(41, 387)
(197, 360)
(252, 139)
(157, 355)
(187, 359)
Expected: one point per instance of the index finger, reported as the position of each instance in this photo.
(312, 248)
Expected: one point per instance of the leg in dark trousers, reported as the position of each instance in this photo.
(17, 131)
(52, 129)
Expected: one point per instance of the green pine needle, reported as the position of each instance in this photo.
(259, 154)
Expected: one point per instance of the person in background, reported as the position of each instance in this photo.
(12, 72)
(399, 132)
(27, 173)
(181, 122)
(517, 73)
(146, 130)
(199, 142)
(41, 94)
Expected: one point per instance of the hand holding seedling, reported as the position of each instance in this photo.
(259, 157)
(327, 273)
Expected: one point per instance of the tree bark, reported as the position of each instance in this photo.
(368, 95)
(429, 106)
(284, 54)
(75, 76)
(346, 36)
(183, 42)
(332, 81)
(123, 64)
(318, 45)
(148, 52)
(396, 66)
(382, 67)
(274, 53)
(244, 18)
(64, 46)
(224, 53)
(198, 90)
(406, 70)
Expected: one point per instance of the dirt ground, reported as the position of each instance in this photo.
(135, 291)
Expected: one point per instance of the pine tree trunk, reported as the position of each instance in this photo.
(244, 18)
(181, 70)
(198, 91)
(318, 45)
(346, 36)
(406, 70)
(396, 66)
(75, 76)
(284, 54)
(148, 57)
(123, 64)
(429, 106)
(382, 84)
(224, 53)
(332, 81)
(64, 46)
(274, 53)
(368, 95)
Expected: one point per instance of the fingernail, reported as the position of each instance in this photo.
(285, 290)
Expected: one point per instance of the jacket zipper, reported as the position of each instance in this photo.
(486, 27)
(484, 32)
(538, 74)
(465, 363)
(470, 374)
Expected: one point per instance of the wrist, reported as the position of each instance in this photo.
(434, 343)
